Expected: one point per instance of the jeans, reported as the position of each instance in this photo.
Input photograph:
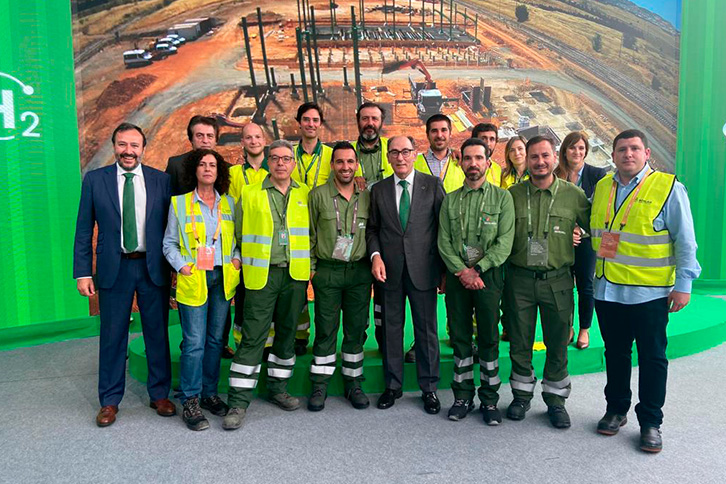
(203, 338)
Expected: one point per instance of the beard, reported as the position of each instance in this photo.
(369, 136)
(474, 175)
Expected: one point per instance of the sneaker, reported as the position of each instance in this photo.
(460, 408)
(285, 401)
(559, 418)
(193, 416)
(357, 398)
(233, 419)
(316, 402)
(492, 415)
(518, 409)
(215, 405)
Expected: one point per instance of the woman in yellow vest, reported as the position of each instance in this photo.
(515, 159)
(200, 245)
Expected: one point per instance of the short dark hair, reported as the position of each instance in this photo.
(437, 117)
(221, 184)
(483, 128)
(127, 127)
(199, 119)
(305, 107)
(342, 145)
(474, 142)
(539, 139)
(631, 133)
(370, 104)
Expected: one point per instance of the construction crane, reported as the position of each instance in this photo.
(424, 95)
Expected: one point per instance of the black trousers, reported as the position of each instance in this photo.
(620, 325)
(584, 272)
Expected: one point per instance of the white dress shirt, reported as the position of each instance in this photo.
(399, 188)
(139, 200)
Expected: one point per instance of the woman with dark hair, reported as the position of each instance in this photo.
(572, 167)
(200, 245)
(515, 159)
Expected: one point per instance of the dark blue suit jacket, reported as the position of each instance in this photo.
(100, 204)
(590, 176)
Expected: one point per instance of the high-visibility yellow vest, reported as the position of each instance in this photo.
(453, 174)
(312, 170)
(644, 257)
(192, 289)
(386, 167)
(510, 180)
(241, 175)
(257, 227)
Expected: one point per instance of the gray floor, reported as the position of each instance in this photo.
(47, 434)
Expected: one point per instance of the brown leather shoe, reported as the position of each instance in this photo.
(164, 407)
(583, 339)
(106, 416)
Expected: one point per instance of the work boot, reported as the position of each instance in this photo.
(491, 414)
(559, 418)
(215, 405)
(518, 409)
(233, 419)
(193, 416)
(316, 402)
(460, 409)
(285, 401)
(357, 398)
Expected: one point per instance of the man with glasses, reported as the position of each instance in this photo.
(273, 230)
(401, 239)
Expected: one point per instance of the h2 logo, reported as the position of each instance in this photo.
(28, 121)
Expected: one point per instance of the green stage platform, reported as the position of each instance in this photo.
(700, 326)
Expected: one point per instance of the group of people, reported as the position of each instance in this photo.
(503, 240)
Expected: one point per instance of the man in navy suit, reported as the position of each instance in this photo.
(129, 202)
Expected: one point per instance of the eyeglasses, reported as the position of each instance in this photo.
(281, 159)
(394, 153)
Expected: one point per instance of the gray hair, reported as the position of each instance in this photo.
(282, 143)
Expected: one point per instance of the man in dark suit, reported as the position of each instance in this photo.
(129, 202)
(202, 132)
(401, 239)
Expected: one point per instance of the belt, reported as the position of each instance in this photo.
(339, 264)
(540, 275)
(281, 265)
(133, 255)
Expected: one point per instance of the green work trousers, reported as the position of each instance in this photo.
(484, 304)
(551, 294)
(347, 287)
(282, 297)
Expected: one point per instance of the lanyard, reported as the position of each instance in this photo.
(549, 210)
(379, 151)
(442, 175)
(317, 154)
(465, 218)
(219, 223)
(281, 214)
(613, 191)
(338, 225)
(519, 179)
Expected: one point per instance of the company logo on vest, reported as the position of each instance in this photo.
(11, 126)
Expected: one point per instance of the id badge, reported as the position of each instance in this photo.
(473, 255)
(608, 245)
(282, 237)
(205, 258)
(343, 248)
(537, 252)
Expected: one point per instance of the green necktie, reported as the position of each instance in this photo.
(404, 205)
(129, 214)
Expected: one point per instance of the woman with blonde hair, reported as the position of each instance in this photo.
(515, 159)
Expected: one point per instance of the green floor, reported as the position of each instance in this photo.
(700, 326)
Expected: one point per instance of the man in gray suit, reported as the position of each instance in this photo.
(401, 239)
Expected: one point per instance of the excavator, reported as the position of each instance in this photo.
(424, 95)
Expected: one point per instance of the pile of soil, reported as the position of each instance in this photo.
(121, 92)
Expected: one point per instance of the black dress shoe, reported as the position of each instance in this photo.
(389, 397)
(432, 404)
(650, 440)
(610, 424)
(410, 356)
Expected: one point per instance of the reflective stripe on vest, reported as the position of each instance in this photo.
(257, 227)
(644, 257)
(192, 289)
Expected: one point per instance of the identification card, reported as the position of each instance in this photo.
(343, 248)
(608, 245)
(282, 237)
(205, 258)
(473, 255)
(537, 252)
